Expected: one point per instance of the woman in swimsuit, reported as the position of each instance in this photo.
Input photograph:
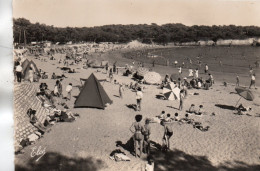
(138, 136)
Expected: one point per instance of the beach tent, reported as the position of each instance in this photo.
(25, 64)
(152, 78)
(171, 92)
(92, 95)
(34, 68)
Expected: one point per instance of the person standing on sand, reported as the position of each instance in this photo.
(181, 100)
(138, 136)
(106, 67)
(69, 90)
(175, 63)
(252, 81)
(60, 88)
(180, 71)
(111, 75)
(196, 73)
(121, 91)
(206, 69)
(31, 73)
(139, 97)
(237, 81)
(18, 70)
(147, 132)
(190, 72)
(168, 132)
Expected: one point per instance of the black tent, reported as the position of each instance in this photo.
(92, 94)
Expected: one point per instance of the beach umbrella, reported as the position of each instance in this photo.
(152, 78)
(245, 93)
(175, 77)
(171, 92)
(142, 71)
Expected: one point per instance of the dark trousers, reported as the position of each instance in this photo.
(19, 76)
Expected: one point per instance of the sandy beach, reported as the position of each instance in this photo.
(231, 143)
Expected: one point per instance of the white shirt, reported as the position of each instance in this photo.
(253, 78)
(68, 88)
(18, 68)
(139, 95)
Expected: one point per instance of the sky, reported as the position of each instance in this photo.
(89, 13)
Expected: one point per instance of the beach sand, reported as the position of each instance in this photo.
(233, 141)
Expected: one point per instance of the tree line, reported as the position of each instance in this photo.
(24, 30)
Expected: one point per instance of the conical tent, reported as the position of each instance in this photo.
(34, 68)
(92, 95)
(25, 64)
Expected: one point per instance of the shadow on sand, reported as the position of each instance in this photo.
(132, 106)
(225, 107)
(173, 107)
(160, 96)
(179, 160)
(128, 146)
(55, 161)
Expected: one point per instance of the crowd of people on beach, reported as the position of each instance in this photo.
(54, 100)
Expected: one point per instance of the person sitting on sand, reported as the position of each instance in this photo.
(167, 118)
(138, 136)
(200, 111)
(186, 120)
(241, 110)
(162, 116)
(34, 121)
(191, 109)
(168, 132)
(176, 117)
(53, 76)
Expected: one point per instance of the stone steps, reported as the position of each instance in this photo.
(25, 98)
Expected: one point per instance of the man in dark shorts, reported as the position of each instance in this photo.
(167, 134)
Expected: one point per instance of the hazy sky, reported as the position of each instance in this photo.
(79, 13)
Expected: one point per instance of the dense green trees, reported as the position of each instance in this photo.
(124, 33)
